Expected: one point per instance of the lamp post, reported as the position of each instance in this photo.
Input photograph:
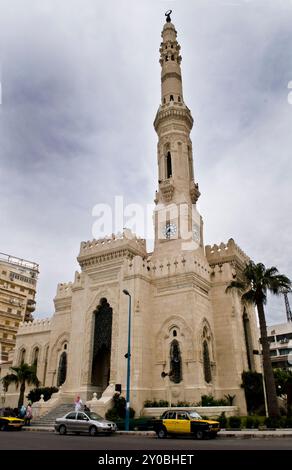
(128, 357)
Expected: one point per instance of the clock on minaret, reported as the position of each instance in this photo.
(169, 230)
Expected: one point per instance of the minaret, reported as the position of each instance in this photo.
(176, 216)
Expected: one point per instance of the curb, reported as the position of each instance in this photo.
(221, 435)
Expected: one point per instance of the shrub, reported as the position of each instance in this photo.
(222, 420)
(229, 399)
(138, 424)
(118, 410)
(252, 422)
(273, 422)
(209, 400)
(252, 382)
(183, 403)
(156, 404)
(35, 394)
(234, 422)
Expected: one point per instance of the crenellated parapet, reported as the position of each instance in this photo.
(228, 252)
(157, 268)
(120, 246)
(37, 326)
(64, 289)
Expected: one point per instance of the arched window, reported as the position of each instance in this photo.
(175, 362)
(35, 357)
(62, 369)
(101, 358)
(207, 363)
(168, 165)
(171, 98)
(22, 356)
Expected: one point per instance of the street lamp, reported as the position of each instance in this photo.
(128, 357)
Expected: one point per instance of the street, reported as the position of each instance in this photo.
(50, 441)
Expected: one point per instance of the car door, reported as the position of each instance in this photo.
(70, 422)
(183, 423)
(169, 422)
(82, 423)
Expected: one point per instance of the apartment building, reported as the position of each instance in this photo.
(18, 281)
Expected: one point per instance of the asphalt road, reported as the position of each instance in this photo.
(51, 441)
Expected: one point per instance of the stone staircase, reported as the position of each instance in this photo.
(48, 420)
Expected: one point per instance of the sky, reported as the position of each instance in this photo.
(80, 87)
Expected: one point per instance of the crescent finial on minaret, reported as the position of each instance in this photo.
(167, 14)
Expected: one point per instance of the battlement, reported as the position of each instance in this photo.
(121, 245)
(36, 326)
(225, 252)
(170, 266)
(64, 289)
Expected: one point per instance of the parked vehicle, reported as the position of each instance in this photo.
(8, 423)
(185, 422)
(84, 422)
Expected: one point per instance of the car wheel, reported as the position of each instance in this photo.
(3, 427)
(199, 435)
(93, 431)
(161, 433)
(62, 430)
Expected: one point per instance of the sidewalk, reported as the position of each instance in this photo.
(244, 434)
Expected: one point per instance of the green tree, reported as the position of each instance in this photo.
(283, 379)
(256, 280)
(21, 376)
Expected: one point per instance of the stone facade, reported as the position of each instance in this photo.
(183, 322)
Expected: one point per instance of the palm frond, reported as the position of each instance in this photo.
(235, 285)
(249, 297)
(8, 380)
(271, 271)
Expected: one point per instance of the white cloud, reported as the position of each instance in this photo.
(80, 88)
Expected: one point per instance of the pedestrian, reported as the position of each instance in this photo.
(28, 415)
(22, 412)
(78, 403)
(86, 408)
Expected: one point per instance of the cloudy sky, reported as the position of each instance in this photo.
(80, 86)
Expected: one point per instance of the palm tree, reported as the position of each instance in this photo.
(253, 287)
(21, 375)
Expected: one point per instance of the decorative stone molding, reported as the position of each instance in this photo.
(167, 189)
(194, 192)
(163, 339)
(173, 112)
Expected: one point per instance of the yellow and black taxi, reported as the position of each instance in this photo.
(9, 423)
(181, 422)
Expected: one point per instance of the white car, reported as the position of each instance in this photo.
(84, 421)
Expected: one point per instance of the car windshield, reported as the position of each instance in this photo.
(194, 415)
(94, 416)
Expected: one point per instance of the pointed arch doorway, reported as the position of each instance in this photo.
(101, 357)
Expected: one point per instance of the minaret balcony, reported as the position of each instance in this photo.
(173, 112)
(167, 189)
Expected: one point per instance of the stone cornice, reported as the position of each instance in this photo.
(173, 112)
